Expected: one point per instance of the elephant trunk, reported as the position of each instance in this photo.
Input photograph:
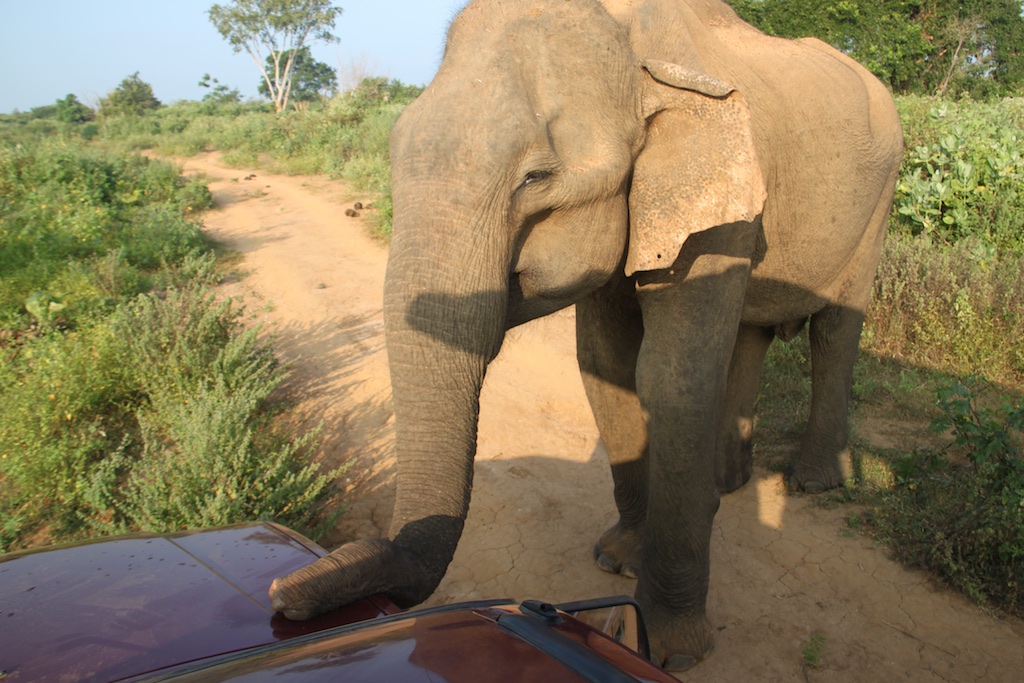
(445, 317)
(444, 323)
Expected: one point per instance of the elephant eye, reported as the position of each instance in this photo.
(535, 177)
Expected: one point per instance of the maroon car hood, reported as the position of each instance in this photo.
(112, 609)
(463, 643)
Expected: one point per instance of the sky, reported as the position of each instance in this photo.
(86, 47)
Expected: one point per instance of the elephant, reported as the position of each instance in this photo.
(695, 188)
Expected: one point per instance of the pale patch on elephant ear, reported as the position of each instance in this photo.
(698, 169)
(679, 76)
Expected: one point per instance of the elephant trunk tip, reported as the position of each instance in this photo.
(352, 572)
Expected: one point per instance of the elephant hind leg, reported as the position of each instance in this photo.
(824, 460)
(734, 450)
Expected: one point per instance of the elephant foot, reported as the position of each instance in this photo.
(680, 644)
(618, 551)
(732, 473)
(817, 477)
(353, 571)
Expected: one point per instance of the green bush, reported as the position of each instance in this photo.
(963, 174)
(209, 453)
(133, 399)
(68, 211)
(964, 519)
(948, 289)
(70, 110)
(132, 97)
(156, 419)
(66, 406)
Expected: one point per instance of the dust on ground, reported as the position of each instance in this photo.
(794, 594)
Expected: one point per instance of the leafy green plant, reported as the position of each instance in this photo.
(66, 404)
(209, 453)
(43, 307)
(985, 434)
(132, 97)
(157, 419)
(966, 183)
(813, 649)
(136, 399)
(66, 208)
(964, 518)
(219, 94)
(70, 110)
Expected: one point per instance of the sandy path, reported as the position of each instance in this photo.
(783, 571)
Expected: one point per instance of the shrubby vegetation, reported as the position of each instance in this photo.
(219, 94)
(963, 517)
(70, 110)
(948, 291)
(345, 136)
(88, 229)
(963, 174)
(947, 310)
(133, 399)
(133, 97)
(924, 47)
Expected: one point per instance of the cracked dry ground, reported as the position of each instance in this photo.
(783, 572)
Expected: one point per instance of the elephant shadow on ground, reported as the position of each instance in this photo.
(534, 519)
(785, 568)
(784, 571)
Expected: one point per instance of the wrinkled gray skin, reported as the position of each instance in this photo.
(696, 189)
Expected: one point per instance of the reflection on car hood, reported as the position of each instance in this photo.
(117, 608)
(462, 643)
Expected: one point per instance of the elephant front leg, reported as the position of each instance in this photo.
(609, 330)
(683, 393)
(691, 314)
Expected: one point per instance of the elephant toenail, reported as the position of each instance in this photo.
(607, 564)
(677, 663)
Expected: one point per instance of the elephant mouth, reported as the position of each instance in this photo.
(523, 307)
(530, 303)
(517, 304)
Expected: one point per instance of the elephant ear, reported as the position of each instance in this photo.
(698, 168)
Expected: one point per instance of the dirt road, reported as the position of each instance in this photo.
(793, 595)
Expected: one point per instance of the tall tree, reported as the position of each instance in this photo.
(272, 32)
(310, 79)
(979, 45)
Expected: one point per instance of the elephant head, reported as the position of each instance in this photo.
(546, 156)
